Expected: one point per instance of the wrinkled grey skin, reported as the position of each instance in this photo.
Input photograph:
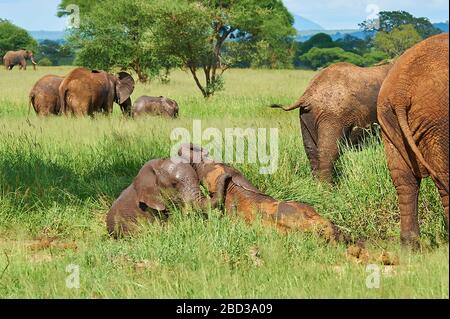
(149, 105)
(44, 96)
(13, 58)
(157, 181)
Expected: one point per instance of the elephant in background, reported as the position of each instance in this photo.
(149, 105)
(13, 58)
(157, 181)
(85, 92)
(44, 95)
(413, 115)
(245, 200)
(340, 102)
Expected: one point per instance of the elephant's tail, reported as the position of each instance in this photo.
(404, 126)
(300, 103)
(62, 99)
(31, 103)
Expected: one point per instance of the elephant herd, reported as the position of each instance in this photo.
(87, 92)
(407, 98)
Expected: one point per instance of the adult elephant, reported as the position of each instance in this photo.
(413, 115)
(85, 92)
(340, 102)
(44, 96)
(13, 58)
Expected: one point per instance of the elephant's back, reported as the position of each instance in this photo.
(147, 104)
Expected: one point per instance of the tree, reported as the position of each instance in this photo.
(117, 34)
(323, 57)
(84, 5)
(55, 52)
(397, 41)
(14, 38)
(195, 32)
(390, 20)
(353, 44)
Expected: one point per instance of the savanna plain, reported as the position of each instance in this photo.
(59, 176)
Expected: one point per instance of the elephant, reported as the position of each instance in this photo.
(245, 200)
(85, 92)
(157, 181)
(13, 58)
(413, 115)
(44, 95)
(156, 106)
(339, 103)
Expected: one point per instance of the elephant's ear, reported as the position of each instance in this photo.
(147, 189)
(124, 87)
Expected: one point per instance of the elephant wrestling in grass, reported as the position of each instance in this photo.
(13, 58)
(242, 198)
(413, 115)
(158, 181)
(85, 92)
(149, 105)
(44, 96)
(340, 102)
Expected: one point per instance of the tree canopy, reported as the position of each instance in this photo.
(390, 20)
(153, 35)
(397, 41)
(14, 38)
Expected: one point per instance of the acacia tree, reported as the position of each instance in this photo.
(117, 34)
(194, 32)
(397, 41)
(389, 20)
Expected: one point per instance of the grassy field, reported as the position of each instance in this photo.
(59, 176)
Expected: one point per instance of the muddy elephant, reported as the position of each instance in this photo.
(413, 115)
(340, 102)
(149, 105)
(85, 92)
(245, 200)
(44, 96)
(13, 58)
(157, 182)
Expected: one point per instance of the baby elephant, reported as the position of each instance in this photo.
(44, 95)
(149, 105)
(158, 181)
(245, 200)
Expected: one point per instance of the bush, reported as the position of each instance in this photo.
(45, 62)
(374, 57)
(320, 58)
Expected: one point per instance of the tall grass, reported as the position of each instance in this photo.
(59, 176)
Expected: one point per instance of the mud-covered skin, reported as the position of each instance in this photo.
(149, 105)
(44, 96)
(245, 200)
(339, 103)
(413, 111)
(157, 182)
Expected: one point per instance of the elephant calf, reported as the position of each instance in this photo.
(413, 114)
(244, 199)
(339, 103)
(157, 181)
(44, 96)
(148, 105)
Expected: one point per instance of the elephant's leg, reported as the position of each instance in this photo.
(309, 136)
(329, 136)
(444, 198)
(407, 186)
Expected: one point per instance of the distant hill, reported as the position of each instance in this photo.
(58, 36)
(441, 26)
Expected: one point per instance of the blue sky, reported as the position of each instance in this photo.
(331, 14)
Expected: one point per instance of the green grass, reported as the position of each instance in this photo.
(59, 176)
